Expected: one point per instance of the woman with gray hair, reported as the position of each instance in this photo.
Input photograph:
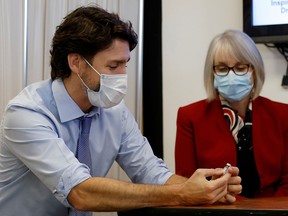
(218, 130)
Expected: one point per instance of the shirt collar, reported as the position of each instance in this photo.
(66, 106)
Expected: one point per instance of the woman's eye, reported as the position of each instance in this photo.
(240, 68)
(222, 68)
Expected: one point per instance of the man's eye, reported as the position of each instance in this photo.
(116, 67)
(113, 66)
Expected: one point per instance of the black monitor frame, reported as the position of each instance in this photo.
(262, 34)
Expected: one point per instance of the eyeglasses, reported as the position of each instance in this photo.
(239, 69)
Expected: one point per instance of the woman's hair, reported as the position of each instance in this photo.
(87, 31)
(239, 46)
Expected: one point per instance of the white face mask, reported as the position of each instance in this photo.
(112, 90)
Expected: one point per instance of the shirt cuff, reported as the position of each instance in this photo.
(72, 176)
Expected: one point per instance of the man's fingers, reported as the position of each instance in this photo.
(230, 198)
(235, 189)
(234, 171)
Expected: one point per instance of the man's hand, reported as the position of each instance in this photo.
(199, 190)
(234, 186)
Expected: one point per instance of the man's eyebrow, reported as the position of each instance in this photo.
(119, 61)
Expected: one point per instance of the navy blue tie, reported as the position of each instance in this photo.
(83, 152)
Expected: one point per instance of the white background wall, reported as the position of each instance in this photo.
(188, 28)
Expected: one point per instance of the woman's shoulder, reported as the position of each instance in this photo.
(266, 102)
(200, 105)
(199, 110)
(267, 106)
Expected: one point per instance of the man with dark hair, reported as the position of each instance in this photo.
(46, 167)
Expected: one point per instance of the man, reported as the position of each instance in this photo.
(44, 168)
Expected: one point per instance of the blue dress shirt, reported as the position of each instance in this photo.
(39, 135)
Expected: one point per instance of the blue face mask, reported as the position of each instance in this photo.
(233, 87)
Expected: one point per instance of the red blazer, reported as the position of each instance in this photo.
(204, 140)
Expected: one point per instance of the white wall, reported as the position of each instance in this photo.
(188, 28)
(11, 44)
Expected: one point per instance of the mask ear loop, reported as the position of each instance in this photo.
(83, 82)
(253, 85)
(92, 69)
(91, 66)
(252, 92)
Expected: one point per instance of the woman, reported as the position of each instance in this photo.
(234, 124)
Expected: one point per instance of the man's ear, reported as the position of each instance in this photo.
(74, 60)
